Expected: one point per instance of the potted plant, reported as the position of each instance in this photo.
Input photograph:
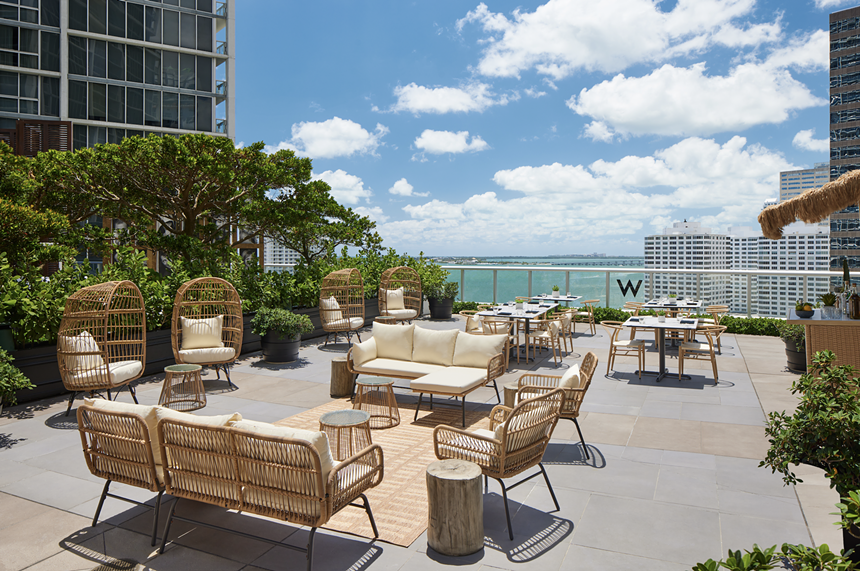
(440, 298)
(11, 381)
(555, 290)
(794, 337)
(828, 303)
(673, 296)
(281, 332)
(661, 316)
(823, 431)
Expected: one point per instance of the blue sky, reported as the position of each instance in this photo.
(538, 128)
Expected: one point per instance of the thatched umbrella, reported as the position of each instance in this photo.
(812, 206)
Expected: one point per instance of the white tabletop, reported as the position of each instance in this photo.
(537, 310)
(653, 323)
(565, 298)
(681, 304)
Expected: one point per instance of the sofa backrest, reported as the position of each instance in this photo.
(477, 350)
(393, 341)
(434, 347)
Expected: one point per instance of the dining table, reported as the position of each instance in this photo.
(529, 312)
(675, 323)
(566, 299)
(673, 305)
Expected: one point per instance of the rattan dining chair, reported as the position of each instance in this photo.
(574, 382)
(101, 343)
(342, 304)
(516, 441)
(473, 321)
(633, 308)
(400, 294)
(207, 324)
(717, 312)
(586, 316)
(545, 333)
(622, 346)
(503, 327)
(701, 351)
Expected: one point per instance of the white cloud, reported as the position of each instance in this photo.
(403, 188)
(598, 131)
(534, 93)
(687, 101)
(441, 142)
(475, 96)
(374, 213)
(335, 137)
(832, 3)
(345, 188)
(803, 140)
(563, 36)
(696, 178)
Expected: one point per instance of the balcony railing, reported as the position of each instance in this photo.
(220, 125)
(221, 48)
(221, 87)
(221, 9)
(741, 289)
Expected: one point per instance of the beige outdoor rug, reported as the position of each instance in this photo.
(399, 503)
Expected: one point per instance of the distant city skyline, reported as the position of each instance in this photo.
(507, 128)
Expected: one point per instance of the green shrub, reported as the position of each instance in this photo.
(767, 326)
(285, 322)
(794, 557)
(610, 314)
(11, 380)
(464, 306)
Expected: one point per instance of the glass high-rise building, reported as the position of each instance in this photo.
(111, 68)
(844, 129)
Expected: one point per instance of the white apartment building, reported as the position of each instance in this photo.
(744, 256)
(689, 246)
(277, 257)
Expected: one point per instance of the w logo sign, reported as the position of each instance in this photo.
(625, 288)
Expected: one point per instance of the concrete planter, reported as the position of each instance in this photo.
(795, 355)
(277, 349)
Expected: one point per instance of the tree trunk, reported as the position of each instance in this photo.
(342, 381)
(455, 501)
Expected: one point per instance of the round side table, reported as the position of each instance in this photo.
(388, 320)
(376, 396)
(183, 388)
(348, 432)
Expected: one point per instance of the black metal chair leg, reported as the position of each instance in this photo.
(464, 412)
(581, 439)
(548, 485)
(71, 400)
(507, 511)
(227, 374)
(486, 484)
(167, 526)
(101, 503)
(311, 548)
(108, 393)
(217, 372)
(496, 386)
(431, 401)
(370, 515)
(155, 517)
(133, 393)
(417, 408)
(357, 334)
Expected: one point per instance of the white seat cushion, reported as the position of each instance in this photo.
(363, 352)
(120, 372)
(394, 299)
(402, 313)
(629, 343)
(477, 350)
(201, 333)
(484, 432)
(694, 346)
(451, 380)
(570, 379)
(396, 368)
(84, 342)
(393, 341)
(352, 324)
(207, 355)
(330, 310)
(434, 347)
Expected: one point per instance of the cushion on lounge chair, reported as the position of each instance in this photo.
(393, 341)
(434, 347)
(397, 368)
(84, 342)
(477, 350)
(330, 310)
(201, 333)
(402, 313)
(450, 380)
(119, 372)
(352, 324)
(207, 355)
(570, 379)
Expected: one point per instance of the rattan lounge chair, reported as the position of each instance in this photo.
(400, 294)
(207, 324)
(101, 343)
(342, 303)
(515, 442)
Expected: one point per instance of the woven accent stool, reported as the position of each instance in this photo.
(376, 396)
(183, 388)
(348, 432)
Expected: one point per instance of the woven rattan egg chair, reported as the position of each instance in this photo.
(101, 344)
(400, 294)
(207, 324)
(342, 303)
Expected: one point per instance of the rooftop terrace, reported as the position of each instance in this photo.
(673, 477)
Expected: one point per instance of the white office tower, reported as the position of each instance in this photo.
(744, 256)
(802, 247)
(689, 246)
(277, 257)
(795, 183)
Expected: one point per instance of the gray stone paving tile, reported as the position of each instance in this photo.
(581, 558)
(617, 477)
(741, 532)
(11, 471)
(689, 460)
(723, 413)
(661, 409)
(687, 486)
(647, 455)
(682, 534)
(744, 475)
(732, 397)
(743, 503)
(335, 551)
(69, 461)
(54, 489)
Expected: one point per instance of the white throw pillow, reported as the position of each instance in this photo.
(395, 298)
(393, 341)
(84, 342)
(363, 352)
(201, 333)
(477, 350)
(570, 379)
(330, 310)
(162, 413)
(434, 347)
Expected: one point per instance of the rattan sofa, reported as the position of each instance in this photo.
(447, 363)
(256, 467)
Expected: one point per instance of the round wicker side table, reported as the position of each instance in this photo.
(388, 320)
(183, 388)
(348, 432)
(376, 396)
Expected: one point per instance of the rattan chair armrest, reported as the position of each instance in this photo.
(499, 415)
(462, 444)
(496, 367)
(535, 377)
(355, 475)
(349, 362)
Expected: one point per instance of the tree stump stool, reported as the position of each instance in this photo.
(341, 379)
(455, 502)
